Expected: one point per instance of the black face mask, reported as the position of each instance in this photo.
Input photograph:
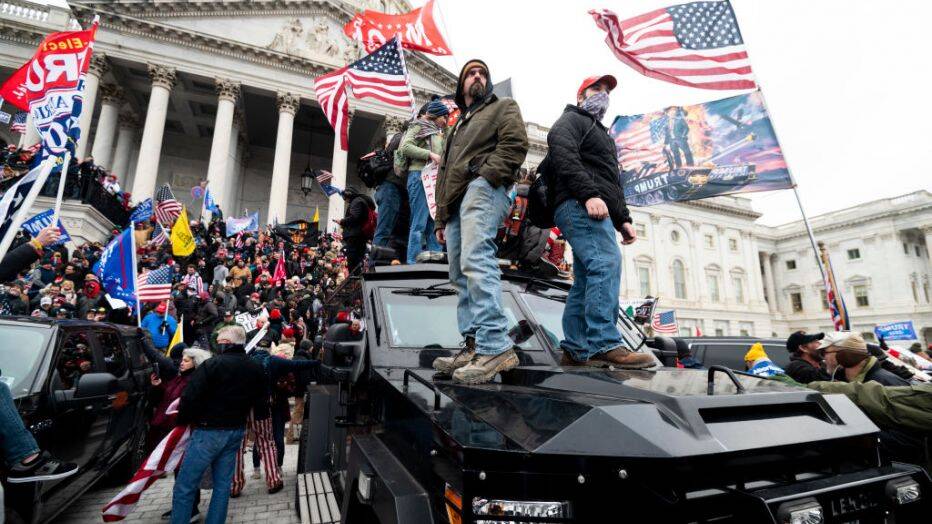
(225, 347)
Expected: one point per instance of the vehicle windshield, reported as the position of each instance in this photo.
(22, 348)
(549, 314)
(429, 321)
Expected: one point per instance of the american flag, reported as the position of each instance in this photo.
(18, 125)
(167, 208)
(696, 44)
(836, 303)
(159, 236)
(155, 285)
(665, 322)
(642, 143)
(380, 75)
(324, 177)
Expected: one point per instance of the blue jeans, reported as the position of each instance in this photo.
(216, 448)
(18, 443)
(388, 203)
(474, 272)
(422, 226)
(590, 318)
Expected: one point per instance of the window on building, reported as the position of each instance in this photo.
(675, 236)
(797, 300)
(918, 250)
(679, 279)
(860, 294)
(733, 245)
(824, 294)
(738, 283)
(854, 254)
(721, 328)
(712, 284)
(791, 264)
(709, 241)
(641, 231)
(644, 280)
(905, 248)
(746, 329)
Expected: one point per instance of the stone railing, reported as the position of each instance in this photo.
(38, 14)
(89, 191)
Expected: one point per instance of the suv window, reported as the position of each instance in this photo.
(413, 321)
(111, 348)
(20, 357)
(74, 360)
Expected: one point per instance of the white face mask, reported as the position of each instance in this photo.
(596, 105)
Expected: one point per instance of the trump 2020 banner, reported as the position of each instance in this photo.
(699, 151)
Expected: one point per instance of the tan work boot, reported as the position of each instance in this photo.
(482, 368)
(447, 365)
(622, 358)
(567, 360)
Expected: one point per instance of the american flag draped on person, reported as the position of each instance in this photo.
(381, 75)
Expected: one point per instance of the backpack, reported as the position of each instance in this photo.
(541, 198)
(374, 167)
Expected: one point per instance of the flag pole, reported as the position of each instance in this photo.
(20, 215)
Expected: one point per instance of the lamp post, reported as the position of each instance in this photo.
(307, 180)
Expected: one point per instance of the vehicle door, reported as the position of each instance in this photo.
(78, 428)
(125, 407)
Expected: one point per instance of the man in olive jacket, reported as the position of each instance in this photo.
(480, 163)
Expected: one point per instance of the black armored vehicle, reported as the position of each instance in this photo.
(396, 444)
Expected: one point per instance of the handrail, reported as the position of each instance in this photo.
(731, 375)
(423, 381)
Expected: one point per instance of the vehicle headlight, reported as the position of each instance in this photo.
(903, 491)
(518, 508)
(803, 511)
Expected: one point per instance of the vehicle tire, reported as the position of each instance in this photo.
(126, 468)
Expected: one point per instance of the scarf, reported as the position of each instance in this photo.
(428, 128)
(596, 105)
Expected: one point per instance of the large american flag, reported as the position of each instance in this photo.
(665, 322)
(380, 75)
(696, 44)
(324, 177)
(155, 285)
(167, 208)
(836, 303)
(159, 236)
(642, 143)
(18, 125)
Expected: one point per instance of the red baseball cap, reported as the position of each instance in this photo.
(589, 81)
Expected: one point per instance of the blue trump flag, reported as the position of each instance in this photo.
(42, 221)
(115, 269)
(237, 225)
(142, 212)
(210, 205)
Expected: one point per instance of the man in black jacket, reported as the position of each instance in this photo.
(806, 357)
(216, 403)
(584, 165)
(357, 214)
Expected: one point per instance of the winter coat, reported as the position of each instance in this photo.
(163, 395)
(416, 152)
(356, 216)
(488, 140)
(873, 371)
(584, 163)
(152, 322)
(16, 260)
(907, 407)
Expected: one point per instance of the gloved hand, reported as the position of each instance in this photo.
(338, 374)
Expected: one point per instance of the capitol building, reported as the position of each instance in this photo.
(182, 91)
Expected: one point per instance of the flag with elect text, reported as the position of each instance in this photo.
(696, 45)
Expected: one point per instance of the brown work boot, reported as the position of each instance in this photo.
(482, 368)
(622, 358)
(447, 365)
(567, 360)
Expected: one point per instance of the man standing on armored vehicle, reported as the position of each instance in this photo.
(480, 163)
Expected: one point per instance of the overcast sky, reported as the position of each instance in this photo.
(845, 82)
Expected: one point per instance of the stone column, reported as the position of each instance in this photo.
(150, 149)
(126, 137)
(335, 209)
(111, 97)
(227, 93)
(229, 185)
(769, 282)
(288, 104)
(95, 71)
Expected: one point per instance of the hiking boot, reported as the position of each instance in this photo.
(567, 360)
(447, 365)
(622, 358)
(43, 467)
(482, 368)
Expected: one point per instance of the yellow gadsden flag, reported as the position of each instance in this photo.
(182, 240)
(316, 218)
(178, 336)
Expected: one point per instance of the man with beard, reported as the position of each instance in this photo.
(590, 207)
(806, 357)
(480, 163)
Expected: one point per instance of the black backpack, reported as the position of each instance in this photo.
(541, 196)
(375, 166)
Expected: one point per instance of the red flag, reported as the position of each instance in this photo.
(59, 63)
(417, 29)
(280, 274)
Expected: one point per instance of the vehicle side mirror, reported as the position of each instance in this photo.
(95, 385)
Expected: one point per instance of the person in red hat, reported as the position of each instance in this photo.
(161, 328)
(590, 207)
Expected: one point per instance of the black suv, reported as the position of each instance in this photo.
(542, 443)
(81, 388)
